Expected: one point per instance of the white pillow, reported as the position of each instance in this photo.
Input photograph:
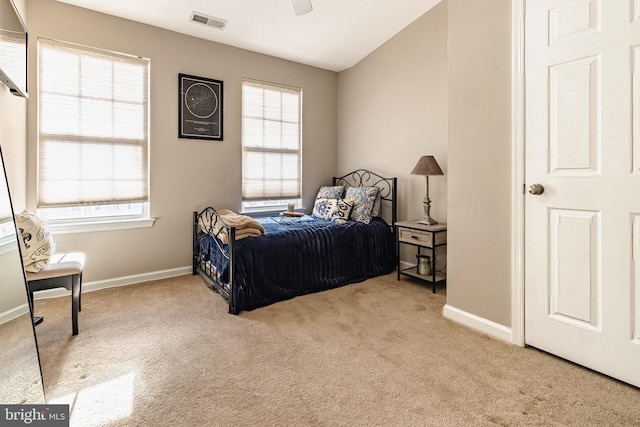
(323, 208)
(336, 210)
(36, 243)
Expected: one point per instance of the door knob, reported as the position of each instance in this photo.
(536, 189)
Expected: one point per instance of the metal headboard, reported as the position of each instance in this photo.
(367, 178)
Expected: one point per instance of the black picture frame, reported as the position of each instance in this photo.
(200, 107)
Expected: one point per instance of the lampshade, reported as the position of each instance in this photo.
(427, 165)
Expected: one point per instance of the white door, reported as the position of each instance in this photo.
(582, 253)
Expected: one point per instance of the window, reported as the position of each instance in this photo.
(271, 145)
(93, 144)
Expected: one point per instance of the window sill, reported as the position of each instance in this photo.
(91, 226)
(8, 245)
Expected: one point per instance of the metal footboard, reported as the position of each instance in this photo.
(210, 223)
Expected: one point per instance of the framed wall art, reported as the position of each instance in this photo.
(200, 108)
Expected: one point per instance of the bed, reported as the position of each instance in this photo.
(299, 255)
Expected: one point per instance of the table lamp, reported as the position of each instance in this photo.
(427, 165)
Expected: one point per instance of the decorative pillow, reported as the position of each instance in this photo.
(327, 192)
(332, 209)
(342, 210)
(364, 198)
(36, 243)
(323, 208)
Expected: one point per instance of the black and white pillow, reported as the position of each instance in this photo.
(323, 208)
(332, 209)
(342, 211)
(36, 243)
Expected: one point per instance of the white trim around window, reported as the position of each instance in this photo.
(93, 138)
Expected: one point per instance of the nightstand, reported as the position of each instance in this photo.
(427, 238)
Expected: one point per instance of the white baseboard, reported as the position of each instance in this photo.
(478, 323)
(94, 286)
(115, 282)
(14, 313)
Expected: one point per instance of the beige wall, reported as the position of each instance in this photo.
(393, 107)
(479, 189)
(186, 174)
(442, 86)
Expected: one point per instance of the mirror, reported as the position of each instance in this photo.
(20, 374)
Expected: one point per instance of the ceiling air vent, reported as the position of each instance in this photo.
(201, 18)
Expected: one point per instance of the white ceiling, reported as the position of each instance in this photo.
(335, 36)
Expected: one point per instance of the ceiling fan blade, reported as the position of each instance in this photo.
(300, 7)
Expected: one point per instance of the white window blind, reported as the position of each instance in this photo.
(271, 141)
(93, 126)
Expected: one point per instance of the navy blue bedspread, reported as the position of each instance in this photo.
(297, 256)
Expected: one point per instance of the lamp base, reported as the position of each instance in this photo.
(426, 204)
(427, 221)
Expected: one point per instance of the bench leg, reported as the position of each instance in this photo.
(75, 302)
(80, 294)
(36, 319)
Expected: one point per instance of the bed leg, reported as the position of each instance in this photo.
(232, 270)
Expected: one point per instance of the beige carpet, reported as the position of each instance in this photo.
(377, 353)
(20, 382)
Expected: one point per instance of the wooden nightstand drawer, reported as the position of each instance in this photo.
(413, 236)
(422, 238)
